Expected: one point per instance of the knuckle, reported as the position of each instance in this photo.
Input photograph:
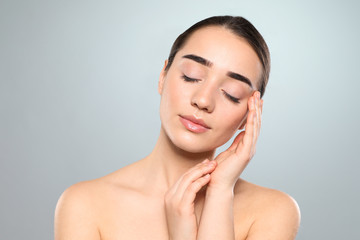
(200, 164)
(171, 205)
(187, 176)
(181, 209)
(204, 169)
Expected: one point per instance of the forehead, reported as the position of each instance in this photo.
(225, 50)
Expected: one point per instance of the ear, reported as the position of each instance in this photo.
(162, 78)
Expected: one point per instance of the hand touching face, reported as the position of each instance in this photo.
(204, 94)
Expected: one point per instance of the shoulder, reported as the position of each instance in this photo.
(276, 215)
(78, 194)
(83, 207)
(86, 196)
(75, 214)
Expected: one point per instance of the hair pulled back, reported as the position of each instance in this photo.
(240, 27)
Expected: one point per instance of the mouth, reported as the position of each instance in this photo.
(194, 124)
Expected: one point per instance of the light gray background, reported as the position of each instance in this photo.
(78, 100)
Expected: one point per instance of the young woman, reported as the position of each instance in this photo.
(210, 87)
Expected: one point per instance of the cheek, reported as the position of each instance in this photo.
(232, 121)
(170, 96)
(174, 98)
(235, 117)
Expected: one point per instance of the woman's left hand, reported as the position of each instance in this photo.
(232, 162)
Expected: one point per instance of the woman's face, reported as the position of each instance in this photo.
(204, 93)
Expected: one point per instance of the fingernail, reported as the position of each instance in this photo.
(205, 160)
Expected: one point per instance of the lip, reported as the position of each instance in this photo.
(193, 124)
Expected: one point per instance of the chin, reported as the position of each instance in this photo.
(193, 143)
(194, 147)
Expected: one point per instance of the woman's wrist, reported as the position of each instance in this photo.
(220, 191)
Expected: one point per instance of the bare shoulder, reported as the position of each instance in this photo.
(276, 215)
(74, 214)
(81, 207)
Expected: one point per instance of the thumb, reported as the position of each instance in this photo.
(236, 141)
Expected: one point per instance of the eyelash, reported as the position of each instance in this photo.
(231, 98)
(187, 79)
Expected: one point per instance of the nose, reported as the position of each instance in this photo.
(204, 99)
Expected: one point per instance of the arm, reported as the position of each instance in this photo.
(278, 217)
(74, 216)
(217, 220)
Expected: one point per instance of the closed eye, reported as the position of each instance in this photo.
(231, 98)
(187, 79)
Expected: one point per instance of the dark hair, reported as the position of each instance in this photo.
(239, 26)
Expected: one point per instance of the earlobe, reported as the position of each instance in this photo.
(162, 78)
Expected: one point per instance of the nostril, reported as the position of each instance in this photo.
(201, 104)
(201, 108)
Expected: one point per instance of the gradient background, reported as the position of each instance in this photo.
(78, 100)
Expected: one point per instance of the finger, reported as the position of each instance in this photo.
(236, 141)
(193, 175)
(257, 124)
(258, 115)
(246, 144)
(191, 191)
(175, 187)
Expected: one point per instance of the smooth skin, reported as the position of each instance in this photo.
(181, 190)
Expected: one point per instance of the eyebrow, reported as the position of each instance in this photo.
(199, 59)
(207, 63)
(240, 77)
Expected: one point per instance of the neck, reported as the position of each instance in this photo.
(167, 162)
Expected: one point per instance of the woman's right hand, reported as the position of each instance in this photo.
(179, 201)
